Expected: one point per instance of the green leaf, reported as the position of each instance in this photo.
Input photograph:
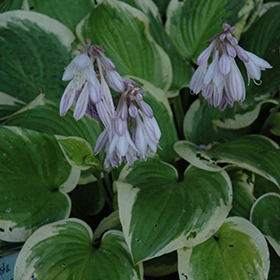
(255, 152)
(243, 197)
(274, 271)
(161, 266)
(262, 39)
(265, 215)
(127, 42)
(237, 251)
(7, 5)
(162, 5)
(159, 214)
(158, 101)
(204, 125)
(244, 119)
(87, 198)
(108, 223)
(43, 115)
(44, 52)
(191, 23)
(64, 250)
(34, 180)
(181, 68)
(68, 12)
(76, 150)
(275, 124)
(263, 186)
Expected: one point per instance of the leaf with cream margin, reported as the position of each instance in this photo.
(159, 214)
(42, 115)
(199, 128)
(265, 215)
(65, 250)
(191, 23)
(181, 68)
(237, 250)
(124, 31)
(244, 119)
(44, 45)
(78, 152)
(34, 181)
(243, 187)
(256, 153)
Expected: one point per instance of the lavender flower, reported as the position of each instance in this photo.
(221, 82)
(131, 131)
(89, 85)
(134, 132)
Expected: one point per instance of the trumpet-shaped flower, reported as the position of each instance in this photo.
(221, 82)
(134, 131)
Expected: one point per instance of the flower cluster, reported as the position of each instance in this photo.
(221, 82)
(131, 131)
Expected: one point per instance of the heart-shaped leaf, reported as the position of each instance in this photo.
(159, 214)
(64, 250)
(238, 250)
(265, 215)
(127, 42)
(255, 152)
(34, 180)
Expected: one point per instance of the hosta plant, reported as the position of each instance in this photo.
(140, 139)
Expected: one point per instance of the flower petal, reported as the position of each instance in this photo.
(67, 98)
(82, 103)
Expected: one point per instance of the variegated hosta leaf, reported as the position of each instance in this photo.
(34, 180)
(253, 152)
(159, 214)
(43, 115)
(78, 152)
(64, 250)
(69, 13)
(44, 45)
(199, 124)
(238, 250)
(191, 23)
(265, 215)
(243, 187)
(181, 68)
(127, 42)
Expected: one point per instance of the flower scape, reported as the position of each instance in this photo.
(131, 131)
(221, 82)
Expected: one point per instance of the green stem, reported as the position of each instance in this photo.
(179, 115)
(108, 185)
(104, 192)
